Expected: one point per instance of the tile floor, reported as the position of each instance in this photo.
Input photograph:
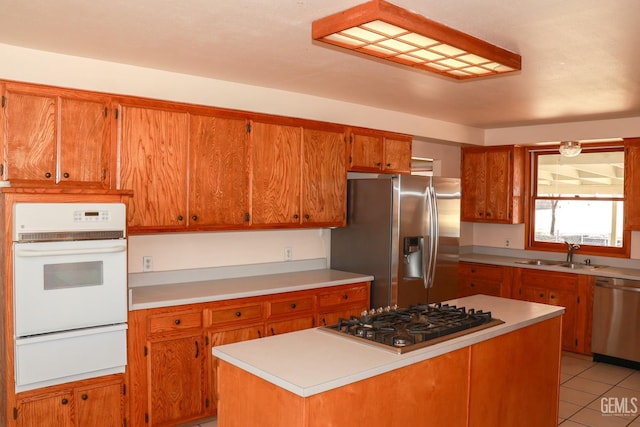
(595, 394)
(591, 394)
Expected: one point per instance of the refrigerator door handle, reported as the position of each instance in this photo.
(429, 261)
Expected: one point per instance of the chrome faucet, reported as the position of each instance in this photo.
(571, 248)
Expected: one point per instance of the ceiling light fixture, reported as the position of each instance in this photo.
(570, 148)
(389, 32)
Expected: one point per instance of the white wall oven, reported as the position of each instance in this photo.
(70, 291)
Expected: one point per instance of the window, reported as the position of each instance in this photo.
(578, 200)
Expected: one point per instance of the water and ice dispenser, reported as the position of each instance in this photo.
(413, 251)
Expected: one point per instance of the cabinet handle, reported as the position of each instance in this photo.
(247, 217)
(273, 332)
(378, 164)
(345, 296)
(488, 214)
(296, 216)
(180, 218)
(473, 270)
(388, 165)
(238, 313)
(177, 321)
(293, 306)
(84, 396)
(541, 295)
(65, 401)
(197, 349)
(552, 296)
(66, 174)
(47, 175)
(307, 216)
(259, 333)
(104, 174)
(324, 322)
(195, 217)
(480, 213)
(472, 284)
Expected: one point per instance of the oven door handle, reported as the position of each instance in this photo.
(85, 251)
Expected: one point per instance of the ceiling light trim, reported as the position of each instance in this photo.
(333, 30)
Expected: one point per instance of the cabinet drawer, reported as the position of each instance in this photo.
(173, 322)
(356, 294)
(235, 314)
(289, 306)
(486, 272)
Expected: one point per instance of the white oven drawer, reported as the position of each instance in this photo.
(69, 356)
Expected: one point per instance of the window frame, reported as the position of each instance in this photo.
(531, 169)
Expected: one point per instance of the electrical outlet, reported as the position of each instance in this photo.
(288, 253)
(147, 263)
(507, 243)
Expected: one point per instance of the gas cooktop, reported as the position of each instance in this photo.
(417, 326)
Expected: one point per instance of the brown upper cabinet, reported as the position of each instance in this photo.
(55, 137)
(374, 151)
(493, 184)
(154, 165)
(632, 183)
(299, 176)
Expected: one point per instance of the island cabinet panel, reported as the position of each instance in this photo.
(96, 402)
(154, 165)
(508, 380)
(275, 185)
(492, 184)
(56, 137)
(475, 278)
(433, 390)
(514, 378)
(218, 172)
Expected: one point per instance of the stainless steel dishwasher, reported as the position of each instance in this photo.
(616, 320)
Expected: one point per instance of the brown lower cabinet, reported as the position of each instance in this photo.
(172, 373)
(570, 290)
(95, 402)
(510, 380)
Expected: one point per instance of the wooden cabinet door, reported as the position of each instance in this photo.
(366, 152)
(100, 406)
(219, 172)
(176, 380)
(333, 317)
(85, 141)
(29, 137)
(566, 299)
(632, 184)
(45, 411)
(275, 187)
(397, 155)
(324, 178)
(498, 179)
(474, 186)
(154, 165)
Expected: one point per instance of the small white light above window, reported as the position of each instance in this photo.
(570, 148)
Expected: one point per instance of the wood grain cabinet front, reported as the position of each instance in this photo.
(97, 402)
(375, 151)
(492, 184)
(475, 278)
(342, 302)
(56, 137)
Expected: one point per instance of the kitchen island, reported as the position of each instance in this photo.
(505, 375)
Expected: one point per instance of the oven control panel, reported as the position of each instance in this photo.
(91, 216)
(33, 218)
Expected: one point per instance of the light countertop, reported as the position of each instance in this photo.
(312, 361)
(593, 270)
(170, 294)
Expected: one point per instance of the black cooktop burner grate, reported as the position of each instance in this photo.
(413, 327)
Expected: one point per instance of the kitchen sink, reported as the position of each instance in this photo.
(538, 262)
(575, 266)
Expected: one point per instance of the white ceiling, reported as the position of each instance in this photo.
(581, 58)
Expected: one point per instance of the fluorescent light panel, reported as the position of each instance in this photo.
(389, 32)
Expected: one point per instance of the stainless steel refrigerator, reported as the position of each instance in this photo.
(405, 231)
